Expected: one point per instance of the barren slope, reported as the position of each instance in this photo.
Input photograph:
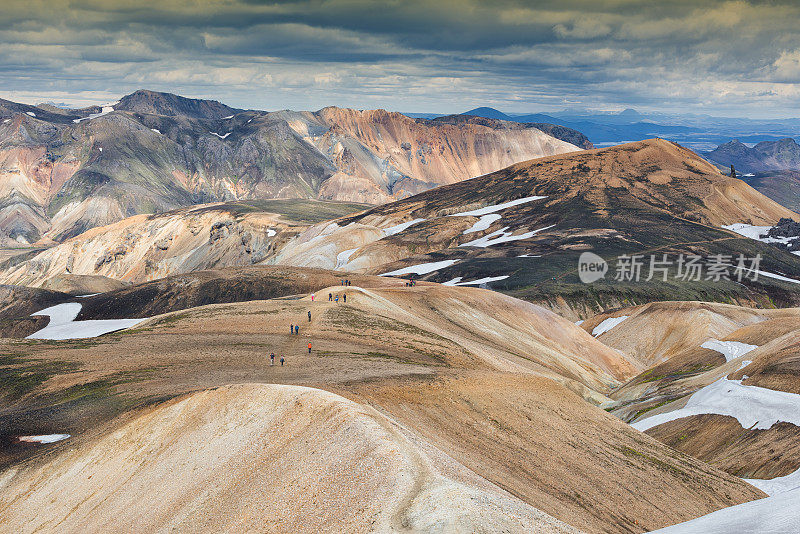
(531, 438)
(325, 464)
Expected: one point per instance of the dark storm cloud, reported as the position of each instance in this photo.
(718, 56)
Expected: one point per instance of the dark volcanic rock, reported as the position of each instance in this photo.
(785, 228)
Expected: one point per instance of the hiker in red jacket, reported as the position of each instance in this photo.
(309, 347)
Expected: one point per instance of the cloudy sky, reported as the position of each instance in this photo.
(736, 58)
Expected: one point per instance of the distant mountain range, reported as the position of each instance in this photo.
(63, 171)
(766, 156)
(696, 132)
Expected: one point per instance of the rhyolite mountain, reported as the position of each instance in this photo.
(560, 132)
(65, 171)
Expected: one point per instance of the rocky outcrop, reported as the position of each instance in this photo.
(788, 231)
(144, 248)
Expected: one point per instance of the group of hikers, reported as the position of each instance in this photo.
(294, 329)
(272, 358)
(411, 283)
(344, 282)
(335, 298)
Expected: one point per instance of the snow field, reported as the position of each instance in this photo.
(64, 326)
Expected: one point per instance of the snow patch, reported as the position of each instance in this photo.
(502, 236)
(104, 110)
(228, 117)
(480, 281)
(156, 130)
(64, 326)
(578, 323)
(778, 277)
(608, 324)
(31, 113)
(343, 257)
(748, 230)
(752, 406)
(497, 207)
(221, 136)
(396, 229)
(271, 232)
(730, 349)
(759, 233)
(422, 268)
(46, 438)
(484, 280)
(483, 223)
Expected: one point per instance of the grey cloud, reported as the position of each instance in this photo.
(412, 55)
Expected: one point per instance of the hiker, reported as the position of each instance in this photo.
(330, 297)
(312, 297)
(336, 299)
(309, 347)
(297, 329)
(345, 297)
(291, 328)
(282, 360)
(272, 358)
(309, 316)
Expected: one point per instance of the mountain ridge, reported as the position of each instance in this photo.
(62, 173)
(641, 198)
